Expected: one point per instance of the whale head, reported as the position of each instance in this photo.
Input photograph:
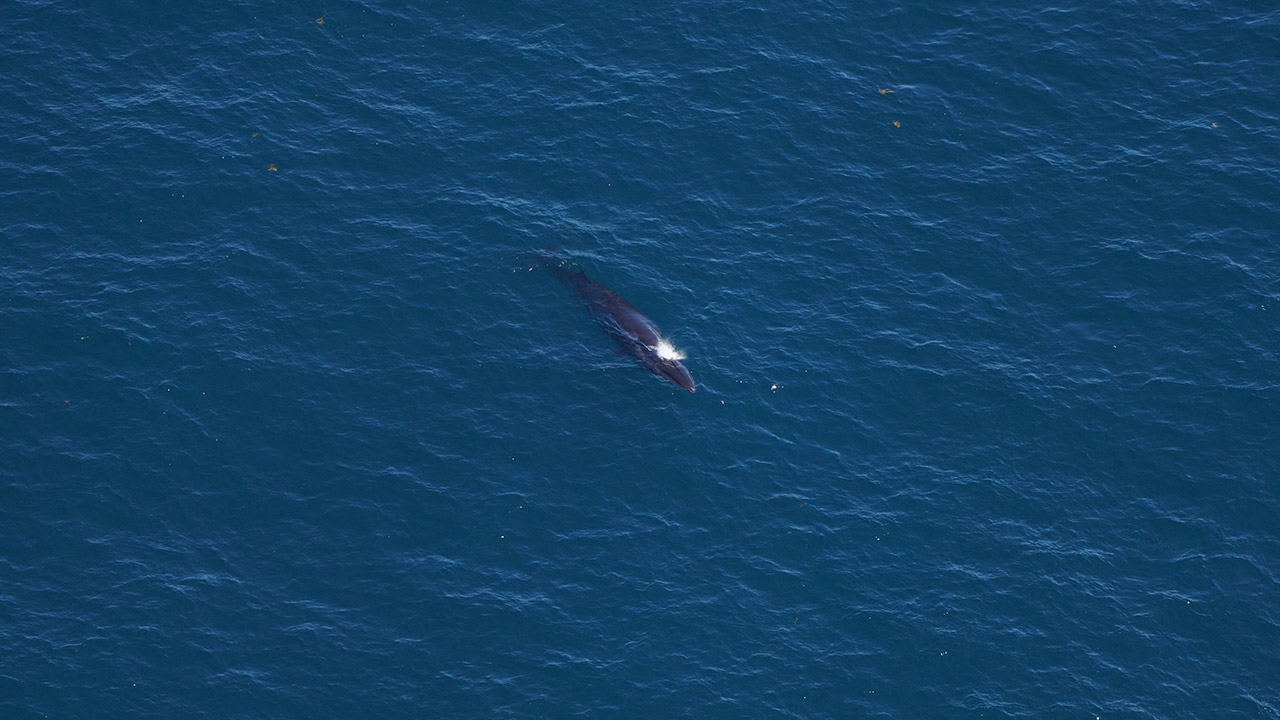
(675, 371)
(665, 360)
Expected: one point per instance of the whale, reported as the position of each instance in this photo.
(635, 334)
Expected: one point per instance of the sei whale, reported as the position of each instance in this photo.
(635, 334)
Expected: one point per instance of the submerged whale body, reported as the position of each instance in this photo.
(634, 333)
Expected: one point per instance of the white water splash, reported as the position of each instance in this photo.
(668, 352)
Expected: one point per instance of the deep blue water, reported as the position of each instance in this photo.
(982, 304)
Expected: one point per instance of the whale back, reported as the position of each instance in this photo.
(619, 318)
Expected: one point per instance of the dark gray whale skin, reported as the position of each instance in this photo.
(634, 333)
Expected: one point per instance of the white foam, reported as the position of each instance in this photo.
(667, 352)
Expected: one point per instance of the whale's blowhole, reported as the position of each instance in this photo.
(667, 351)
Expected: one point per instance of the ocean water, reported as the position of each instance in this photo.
(982, 304)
